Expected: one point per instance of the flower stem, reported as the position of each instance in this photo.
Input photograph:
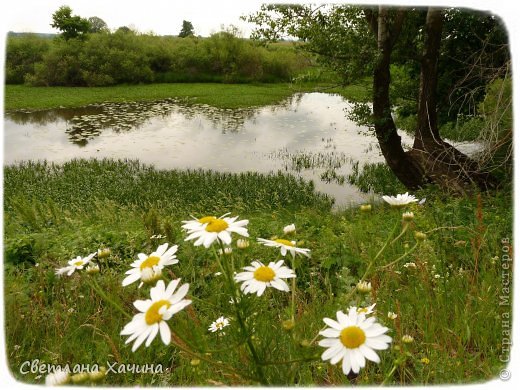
(400, 257)
(93, 284)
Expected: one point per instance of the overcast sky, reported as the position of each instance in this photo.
(164, 17)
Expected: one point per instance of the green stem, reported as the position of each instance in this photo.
(305, 359)
(405, 228)
(93, 284)
(293, 295)
(400, 257)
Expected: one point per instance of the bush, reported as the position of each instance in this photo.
(22, 53)
(125, 56)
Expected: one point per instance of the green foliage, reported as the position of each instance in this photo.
(22, 53)
(125, 56)
(186, 30)
(97, 25)
(69, 25)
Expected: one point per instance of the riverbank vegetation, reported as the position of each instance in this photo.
(56, 212)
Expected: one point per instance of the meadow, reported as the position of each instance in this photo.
(438, 291)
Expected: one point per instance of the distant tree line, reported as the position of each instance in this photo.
(87, 53)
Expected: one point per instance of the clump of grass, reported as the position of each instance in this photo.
(376, 178)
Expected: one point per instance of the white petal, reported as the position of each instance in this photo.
(332, 351)
(346, 366)
(142, 305)
(151, 336)
(329, 342)
(330, 333)
(369, 353)
(333, 324)
(165, 332)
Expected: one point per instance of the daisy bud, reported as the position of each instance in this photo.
(365, 207)
(419, 236)
(98, 375)
(408, 216)
(364, 287)
(80, 377)
(289, 229)
(92, 269)
(288, 324)
(195, 362)
(407, 339)
(242, 244)
(150, 275)
(425, 360)
(305, 343)
(392, 315)
(227, 251)
(102, 253)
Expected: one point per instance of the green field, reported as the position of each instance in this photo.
(448, 300)
(22, 97)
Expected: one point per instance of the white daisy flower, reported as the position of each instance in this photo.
(285, 246)
(258, 277)
(353, 338)
(219, 324)
(400, 200)
(57, 378)
(207, 230)
(149, 268)
(289, 229)
(164, 303)
(75, 264)
(391, 315)
(407, 339)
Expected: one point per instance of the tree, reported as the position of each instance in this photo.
(70, 26)
(187, 29)
(97, 25)
(356, 41)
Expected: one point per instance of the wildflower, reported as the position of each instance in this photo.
(227, 251)
(392, 315)
(437, 276)
(149, 268)
(365, 310)
(407, 339)
(208, 229)
(285, 245)
(408, 216)
(364, 287)
(102, 253)
(242, 244)
(75, 264)
(258, 277)
(365, 207)
(289, 229)
(154, 313)
(422, 201)
(219, 324)
(400, 200)
(419, 236)
(218, 273)
(353, 338)
(425, 360)
(410, 265)
(57, 378)
(92, 269)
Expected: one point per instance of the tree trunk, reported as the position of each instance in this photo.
(401, 164)
(440, 162)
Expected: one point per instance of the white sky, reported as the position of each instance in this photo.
(164, 17)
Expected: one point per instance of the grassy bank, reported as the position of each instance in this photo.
(445, 293)
(18, 97)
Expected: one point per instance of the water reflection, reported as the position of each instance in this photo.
(307, 134)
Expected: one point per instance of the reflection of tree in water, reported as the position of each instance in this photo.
(86, 123)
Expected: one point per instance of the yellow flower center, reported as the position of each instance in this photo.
(216, 225)
(152, 315)
(352, 337)
(264, 274)
(150, 262)
(78, 263)
(284, 242)
(207, 219)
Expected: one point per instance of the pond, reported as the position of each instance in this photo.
(307, 135)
